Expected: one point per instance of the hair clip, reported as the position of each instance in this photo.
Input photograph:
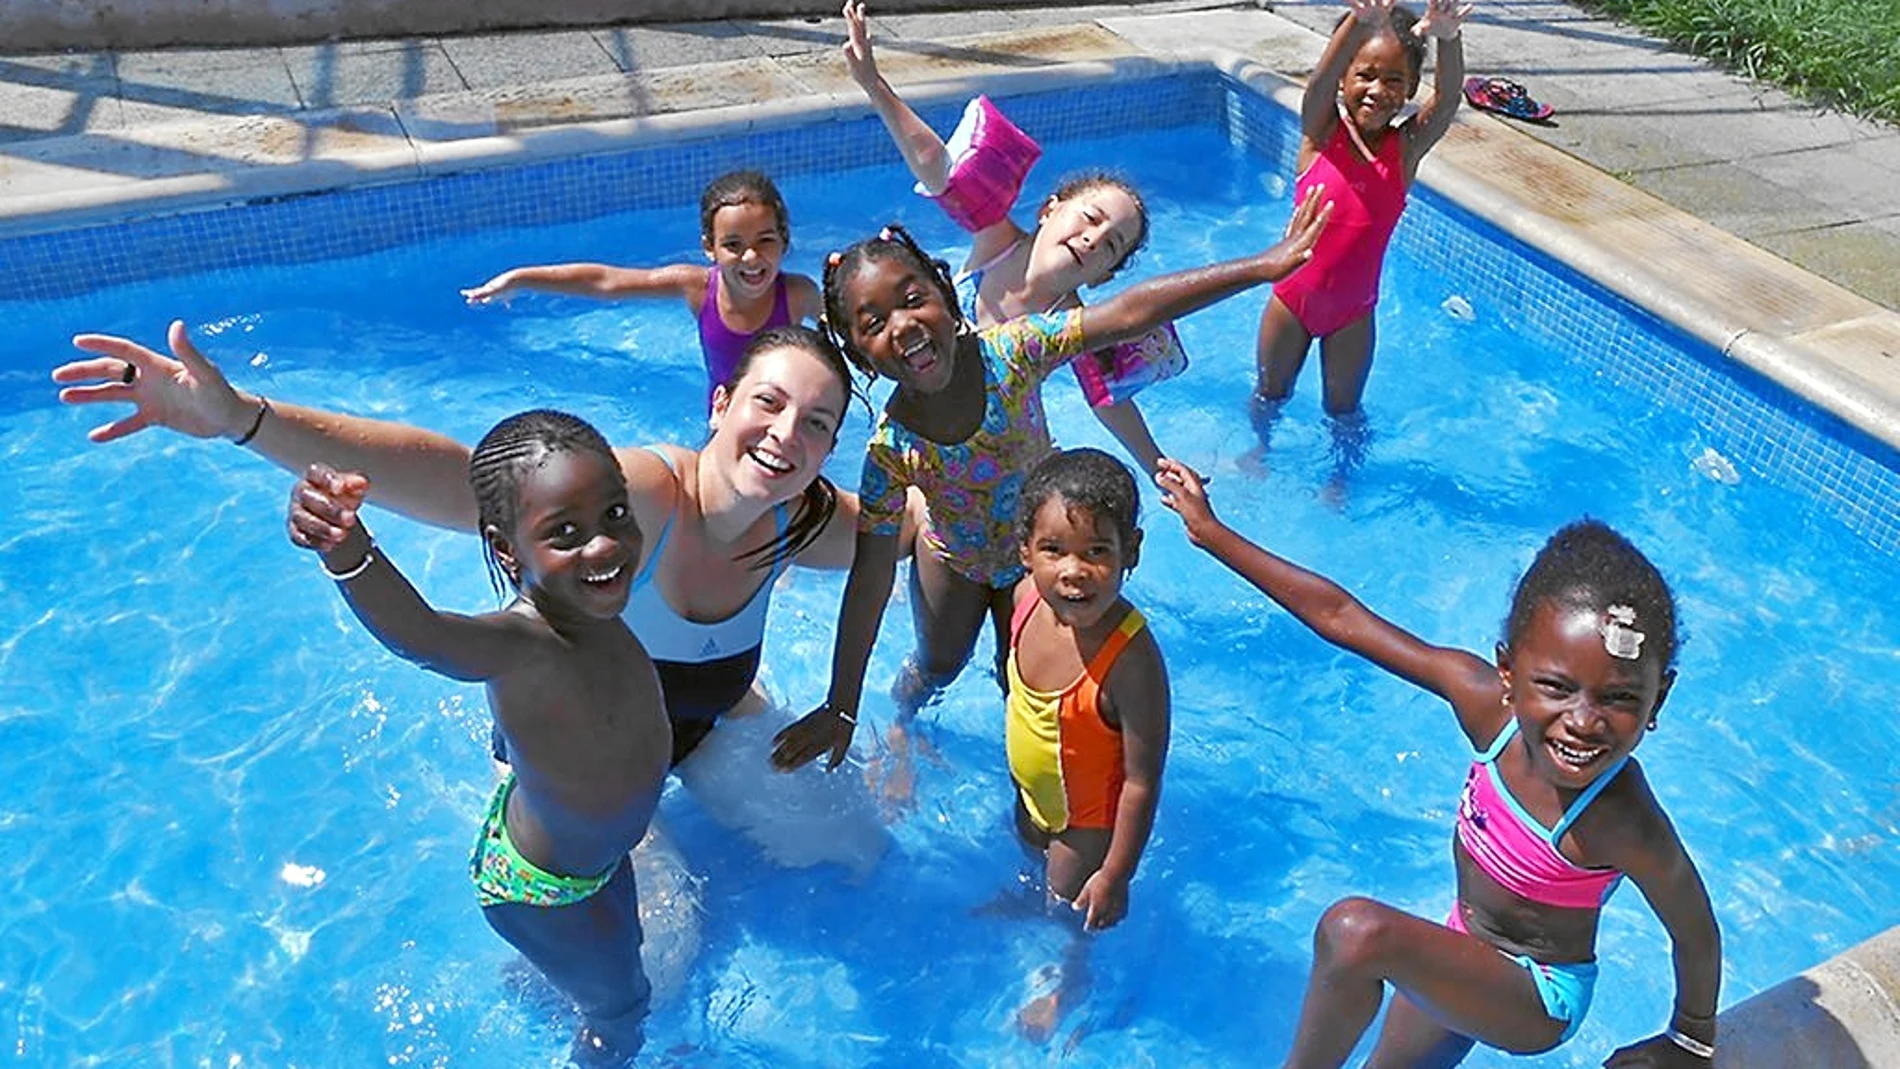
(1620, 637)
(834, 259)
(886, 235)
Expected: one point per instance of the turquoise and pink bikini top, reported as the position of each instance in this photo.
(720, 345)
(1518, 852)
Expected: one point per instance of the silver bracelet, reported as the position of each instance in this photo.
(369, 558)
(1690, 1043)
(845, 715)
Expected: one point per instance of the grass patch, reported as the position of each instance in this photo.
(1843, 52)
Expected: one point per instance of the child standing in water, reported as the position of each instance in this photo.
(1088, 705)
(1350, 145)
(1084, 233)
(746, 232)
(964, 426)
(1555, 812)
(572, 691)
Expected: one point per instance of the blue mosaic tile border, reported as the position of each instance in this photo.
(357, 220)
(1759, 426)
(1754, 422)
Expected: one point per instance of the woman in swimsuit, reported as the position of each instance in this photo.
(725, 519)
(1555, 812)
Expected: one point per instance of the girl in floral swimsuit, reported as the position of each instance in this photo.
(964, 426)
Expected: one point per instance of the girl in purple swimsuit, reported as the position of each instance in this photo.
(746, 232)
(1555, 812)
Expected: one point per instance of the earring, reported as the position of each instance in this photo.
(1652, 724)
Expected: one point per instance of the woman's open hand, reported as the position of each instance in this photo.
(189, 394)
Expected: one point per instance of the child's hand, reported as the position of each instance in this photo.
(821, 730)
(1443, 19)
(857, 49)
(1103, 901)
(1372, 14)
(323, 513)
(188, 395)
(500, 288)
(1656, 1052)
(1302, 233)
(1183, 491)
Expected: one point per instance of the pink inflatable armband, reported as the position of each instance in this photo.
(1110, 376)
(989, 158)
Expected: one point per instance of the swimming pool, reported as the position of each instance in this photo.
(240, 827)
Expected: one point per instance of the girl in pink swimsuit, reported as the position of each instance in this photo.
(1554, 813)
(1350, 146)
(746, 233)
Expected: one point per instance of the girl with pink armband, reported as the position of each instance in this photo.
(1084, 233)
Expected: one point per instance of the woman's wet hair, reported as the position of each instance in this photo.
(1084, 181)
(819, 501)
(1401, 24)
(1086, 479)
(891, 243)
(506, 454)
(734, 188)
(1588, 566)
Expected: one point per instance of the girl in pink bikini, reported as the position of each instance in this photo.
(1554, 814)
(1350, 145)
(746, 233)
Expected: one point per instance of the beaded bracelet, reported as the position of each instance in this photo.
(263, 409)
(369, 558)
(1690, 1043)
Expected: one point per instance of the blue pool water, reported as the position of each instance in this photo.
(237, 827)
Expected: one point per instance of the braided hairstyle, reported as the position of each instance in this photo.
(819, 501)
(1086, 479)
(734, 188)
(516, 446)
(1084, 181)
(1587, 565)
(891, 243)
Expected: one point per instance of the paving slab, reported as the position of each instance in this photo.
(33, 111)
(677, 45)
(492, 61)
(337, 77)
(1864, 256)
(1734, 197)
(227, 82)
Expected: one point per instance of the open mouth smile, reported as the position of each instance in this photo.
(772, 463)
(1573, 757)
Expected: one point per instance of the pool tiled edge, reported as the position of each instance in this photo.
(1683, 314)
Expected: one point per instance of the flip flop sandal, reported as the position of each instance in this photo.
(1505, 97)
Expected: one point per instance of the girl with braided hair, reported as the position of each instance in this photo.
(571, 689)
(964, 427)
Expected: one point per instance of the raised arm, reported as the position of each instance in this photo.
(1444, 20)
(828, 728)
(323, 517)
(1146, 305)
(1660, 866)
(923, 151)
(602, 281)
(418, 473)
(1137, 693)
(1468, 682)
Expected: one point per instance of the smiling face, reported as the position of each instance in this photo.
(746, 245)
(900, 323)
(1077, 561)
(1080, 239)
(574, 543)
(776, 425)
(1378, 83)
(1579, 708)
